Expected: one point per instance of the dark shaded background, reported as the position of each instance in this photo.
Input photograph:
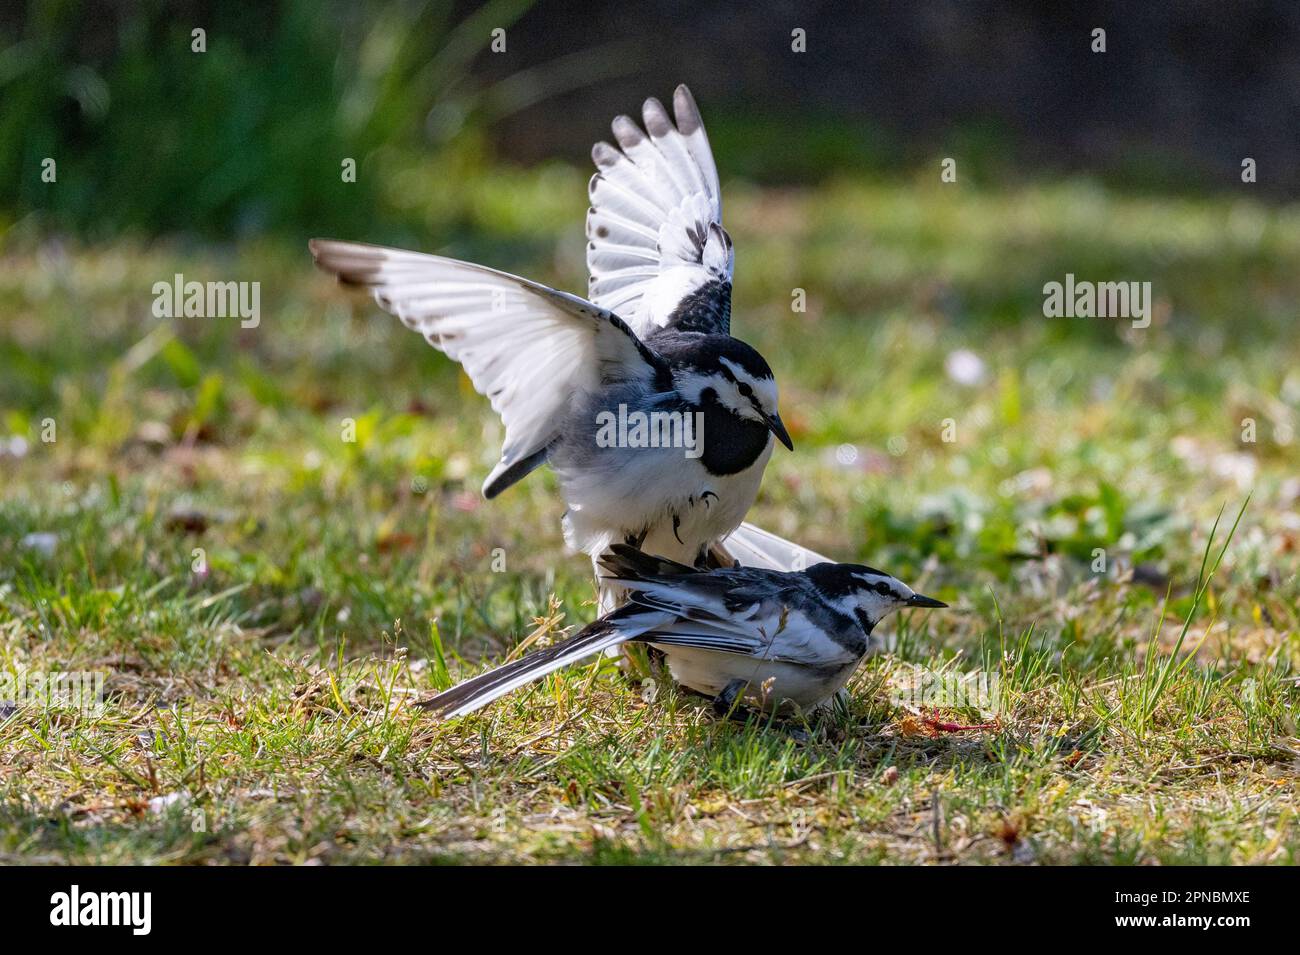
(246, 138)
(1183, 93)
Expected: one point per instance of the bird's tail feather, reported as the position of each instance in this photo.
(466, 697)
(626, 563)
(621, 565)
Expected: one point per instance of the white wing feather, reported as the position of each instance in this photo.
(754, 547)
(527, 347)
(655, 224)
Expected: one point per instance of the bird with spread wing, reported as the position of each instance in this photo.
(653, 336)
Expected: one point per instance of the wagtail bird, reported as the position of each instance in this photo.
(767, 638)
(651, 344)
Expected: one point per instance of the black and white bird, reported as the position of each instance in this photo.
(769, 638)
(653, 337)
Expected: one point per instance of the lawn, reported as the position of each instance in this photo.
(270, 542)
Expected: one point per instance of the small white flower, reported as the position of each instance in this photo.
(965, 367)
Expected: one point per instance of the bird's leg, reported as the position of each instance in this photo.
(725, 706)
(630, 662)
(725, 701)
(713, 557)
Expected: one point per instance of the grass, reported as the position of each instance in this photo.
(266, 599)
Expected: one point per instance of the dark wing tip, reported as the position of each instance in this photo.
(626, 131)
(339, 259)
(626, 562)
(604, 155)
(657, 123)
(686, 110)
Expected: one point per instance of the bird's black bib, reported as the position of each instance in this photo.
(731, 443)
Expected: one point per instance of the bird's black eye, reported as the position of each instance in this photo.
(745, 390)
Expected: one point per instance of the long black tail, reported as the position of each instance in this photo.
(623, 625)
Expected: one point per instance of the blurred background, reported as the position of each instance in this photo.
(246, 137)
(271, 533)
(924, 299)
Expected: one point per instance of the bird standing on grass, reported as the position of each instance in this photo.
(768, 638)
(653, 338)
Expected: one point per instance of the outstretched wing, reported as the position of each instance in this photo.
(657, 252)
(527, 347)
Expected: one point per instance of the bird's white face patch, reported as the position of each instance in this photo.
(876, 596)
(761, 399)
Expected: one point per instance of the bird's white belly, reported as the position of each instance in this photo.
(710, 672)
(607, 505)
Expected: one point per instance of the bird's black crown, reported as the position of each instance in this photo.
(839, 580)
(704, 353)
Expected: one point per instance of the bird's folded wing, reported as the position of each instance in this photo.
(527, 347)
(754, 547)
(657, 253)
(768, 631)
(752, 613)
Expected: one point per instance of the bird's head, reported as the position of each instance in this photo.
(738, 378)
(867, 594)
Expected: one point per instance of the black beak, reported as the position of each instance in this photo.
(777, 427)
(920, 600)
